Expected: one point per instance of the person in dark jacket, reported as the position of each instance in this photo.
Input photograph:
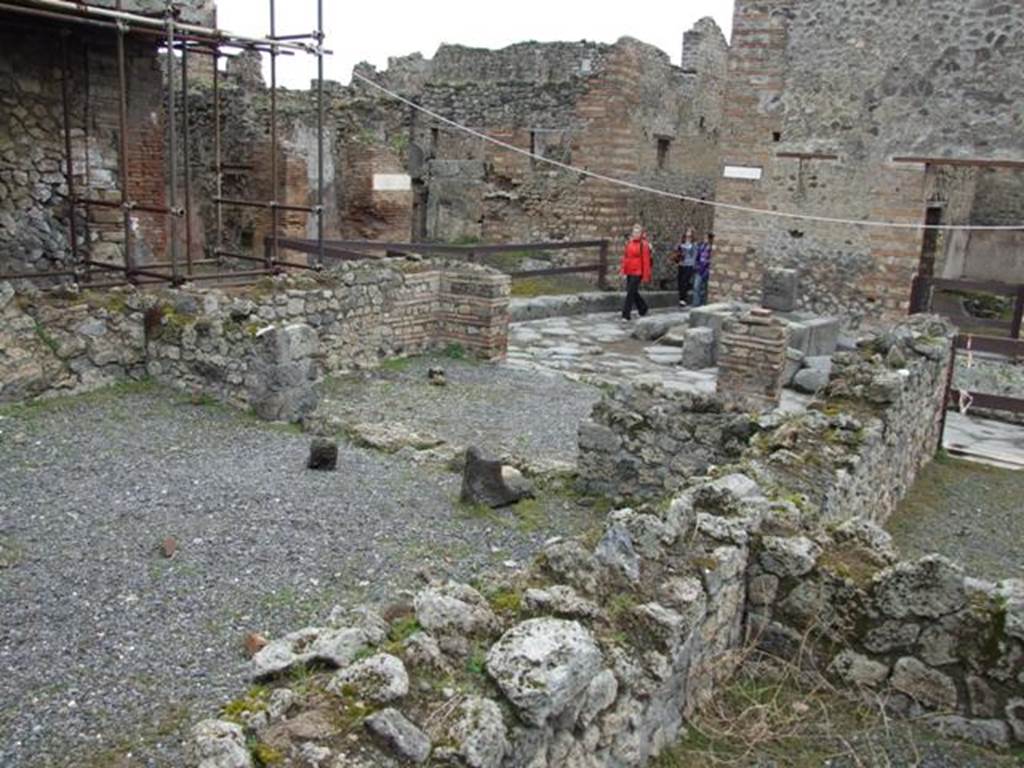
(703, 270)
(636, 266)
(686, 262)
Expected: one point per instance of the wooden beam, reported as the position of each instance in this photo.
(963, 162)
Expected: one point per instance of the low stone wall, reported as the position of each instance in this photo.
(595, 656)
(646, 442)
(215, 342)
(540, 307)
(938, 645)
(855, 453)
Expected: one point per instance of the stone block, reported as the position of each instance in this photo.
(698, 348)
(823, 336)
(780, 289)
(929, 687)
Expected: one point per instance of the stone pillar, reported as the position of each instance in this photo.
(474, 310)
(752, 359)
(780, 289)
(284, 373)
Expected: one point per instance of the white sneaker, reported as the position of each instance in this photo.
(682, 303)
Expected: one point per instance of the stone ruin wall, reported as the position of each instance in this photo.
(855, 454)
(859, 81)
(596, 655)
(264, 347)
(602, 107)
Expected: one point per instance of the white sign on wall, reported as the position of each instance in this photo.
(750, 173)
(391, 182)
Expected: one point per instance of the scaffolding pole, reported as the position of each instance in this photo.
(185, 154)
(122, 114)
(320, 132)
(273, 140)
(172, 148)
(68, 158)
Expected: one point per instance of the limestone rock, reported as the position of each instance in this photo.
(616, 551)
(855, 669)
(885, 388)
(656, 326)
(391, 437)
(698, 348)
(929, 687)
(541, 665)
(218, 744)
(810, 381)
(480, 733)
(454, 608)
(483, 482)
(398, 735)
(993, 734)
(337, 647)
(283, 373)
(561, 600)
(380, 679)
(601, 694)
(310, 725)
(785, 557)
(892, 635)
(1015, 717)
(422, 650)
(323, 454)
(929, 588)
(570, 562)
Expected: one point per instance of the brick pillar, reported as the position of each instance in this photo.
(751, 360)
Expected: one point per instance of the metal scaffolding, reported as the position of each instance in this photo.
(187, 39)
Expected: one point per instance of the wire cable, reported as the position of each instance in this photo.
(675, 195)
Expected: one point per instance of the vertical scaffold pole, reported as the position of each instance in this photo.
(122, 114)
(273, 141)
(172, 149)
(186, 160)
(320, 131)
(217, 159)
(68, 160)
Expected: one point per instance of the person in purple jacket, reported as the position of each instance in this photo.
(702, 270)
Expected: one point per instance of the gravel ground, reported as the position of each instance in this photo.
(498, 408)
(109, 651)
(969, 512)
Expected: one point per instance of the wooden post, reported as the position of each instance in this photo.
(602, 276)
(1018, 313)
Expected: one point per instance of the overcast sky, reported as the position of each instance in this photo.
(372, 30)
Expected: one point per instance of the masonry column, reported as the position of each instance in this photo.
(751, 360)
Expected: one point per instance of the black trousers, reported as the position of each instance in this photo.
(633, 298)
(685, 281)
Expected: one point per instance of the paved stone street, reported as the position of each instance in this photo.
(600, 349)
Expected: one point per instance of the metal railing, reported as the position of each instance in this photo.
(354, 250)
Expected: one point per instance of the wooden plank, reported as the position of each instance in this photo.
(807, 155)
(970, 162)
(983, 400)
(974, 286)
(992, 344)
(557, 271)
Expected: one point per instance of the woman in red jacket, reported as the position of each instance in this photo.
(636, 266)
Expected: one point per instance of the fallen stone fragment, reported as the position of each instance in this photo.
(541, 665)
(436, 377)
(484, 482)
(337, 647)
(454, 609)
(218, 744)
(480, 733)
(323, 454)
(397, 734)
(929, 687)
(380, 679)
